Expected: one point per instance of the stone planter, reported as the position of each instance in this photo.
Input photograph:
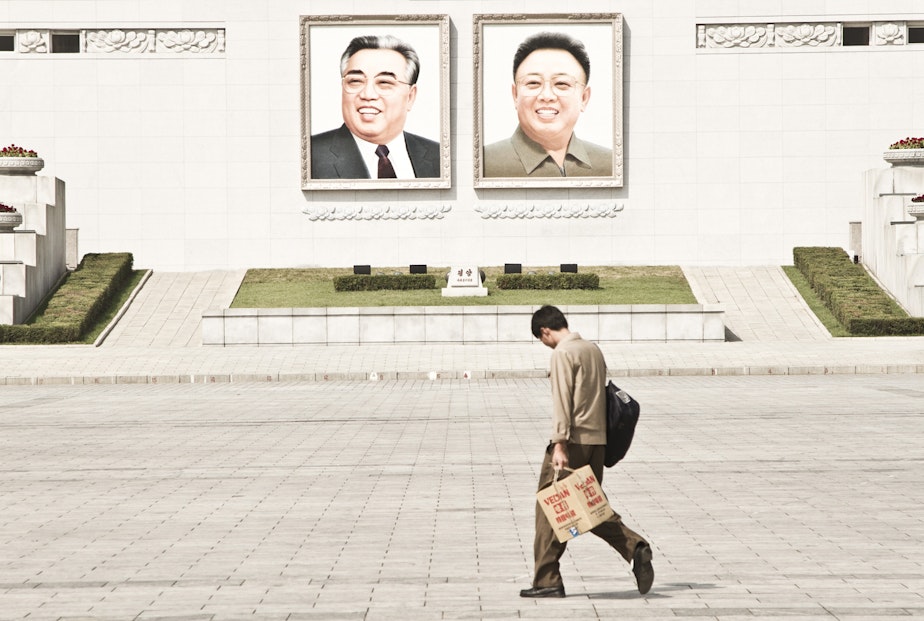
(21, 165)
(9, 220)
(916, 211)
(904, 157)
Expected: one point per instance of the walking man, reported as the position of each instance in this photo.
(578, 377)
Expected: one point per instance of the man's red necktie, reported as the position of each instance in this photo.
(386, 170)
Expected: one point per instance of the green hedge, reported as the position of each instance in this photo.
(78, 302)
(379, 282)
(851, 294)
(566, 280)
(46, 334)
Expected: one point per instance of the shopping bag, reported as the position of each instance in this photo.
(574, 504)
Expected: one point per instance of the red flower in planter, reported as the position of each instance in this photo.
(7, 209)
(908, 143)
(14, 151)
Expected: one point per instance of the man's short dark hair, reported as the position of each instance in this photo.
(548, 317)
(384, 42)
(553, 41)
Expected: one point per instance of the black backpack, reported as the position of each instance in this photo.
(621, 416)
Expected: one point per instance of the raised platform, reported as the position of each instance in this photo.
(457, 324)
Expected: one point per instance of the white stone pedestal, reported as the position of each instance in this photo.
(464, 281)
(893, 236)
(461, 292)
(32, 257)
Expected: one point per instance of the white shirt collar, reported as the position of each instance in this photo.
(397, 154)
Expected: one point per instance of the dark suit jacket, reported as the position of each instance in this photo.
(334, 155)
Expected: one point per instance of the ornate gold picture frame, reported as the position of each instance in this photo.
(520, 120)
(344, 111)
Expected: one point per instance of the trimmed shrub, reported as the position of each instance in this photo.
(548, 281)
(77, 303)
(380, 282)
(851, 294)
(39, 335)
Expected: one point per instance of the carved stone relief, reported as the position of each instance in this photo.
(317, 212)
(889, 33)
(33, 41)
(577, 209)
(133, 41)
(792, 35)
(811, 35)
(737, 35)
(127, 41)
(198, 41)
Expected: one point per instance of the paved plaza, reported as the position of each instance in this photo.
(777, 477)
(794, 497)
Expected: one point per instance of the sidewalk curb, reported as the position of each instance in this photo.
(468, 375)
(115, 320)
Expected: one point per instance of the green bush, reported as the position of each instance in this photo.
(77, 303)
(851, 294)
(22, 333)
(379, 282)
(565, 280)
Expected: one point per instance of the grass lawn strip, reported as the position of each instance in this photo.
(313, 288)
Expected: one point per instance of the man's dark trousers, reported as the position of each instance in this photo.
(547, 550)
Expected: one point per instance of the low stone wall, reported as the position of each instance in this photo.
(456, 324)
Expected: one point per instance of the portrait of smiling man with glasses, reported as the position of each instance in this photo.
(550, 90)
(378, 89)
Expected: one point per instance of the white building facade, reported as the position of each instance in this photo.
(177, 125)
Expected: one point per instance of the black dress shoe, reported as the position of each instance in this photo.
(558, 591)
(641, 567)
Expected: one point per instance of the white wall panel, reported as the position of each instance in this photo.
(732, 156)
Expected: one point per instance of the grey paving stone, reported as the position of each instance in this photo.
(412, 499)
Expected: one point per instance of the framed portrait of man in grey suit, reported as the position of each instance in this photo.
(375, 102)
(548, 101)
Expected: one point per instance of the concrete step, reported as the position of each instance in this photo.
(19, 245)
(12, 278)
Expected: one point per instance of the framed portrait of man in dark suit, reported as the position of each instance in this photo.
(548, 101)
(375, 102)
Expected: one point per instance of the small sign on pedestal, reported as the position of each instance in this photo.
(464, 281)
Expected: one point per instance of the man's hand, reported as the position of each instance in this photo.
(559, 456)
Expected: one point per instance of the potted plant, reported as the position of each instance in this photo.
(9, 218)
(16, 160)
(907, 151)
(916, 210)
